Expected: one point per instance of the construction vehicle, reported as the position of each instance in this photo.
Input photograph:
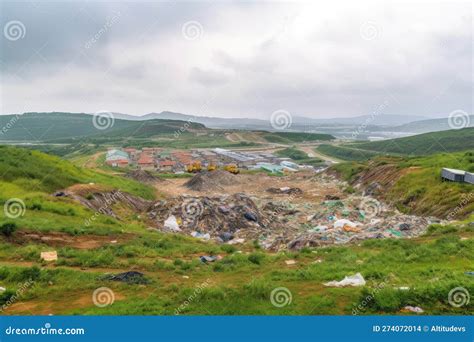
(211, 167)
(194, 167)
(232, 168)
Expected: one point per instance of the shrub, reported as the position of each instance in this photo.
(228, 249)
(256, 258)
(6, 296)
(7, 229)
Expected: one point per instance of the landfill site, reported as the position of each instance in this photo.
(291, 212)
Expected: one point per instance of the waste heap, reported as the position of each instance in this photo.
(219, 216)
(354, 219)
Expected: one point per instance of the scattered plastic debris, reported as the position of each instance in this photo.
(290, 262)
(172, 224)
(354, 280)
(210, 258)
(131, 277)
(415, 309)
(201, 235)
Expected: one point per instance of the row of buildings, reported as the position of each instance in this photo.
(164, 160)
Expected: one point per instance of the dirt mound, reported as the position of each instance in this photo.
(213, 215)
(213, 180)
(100, 200)
(142, 176)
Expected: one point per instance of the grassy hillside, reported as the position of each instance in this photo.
(345, 152)
(298, 156)
(29, 177)
(34, 170)
(428, 143)
(54, 126)
(414, 184)
(294, 137)
(417, 145)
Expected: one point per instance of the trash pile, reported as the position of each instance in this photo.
(285, 190)
(355, 219)
(221, 217)
(213, 180)
(286, 224)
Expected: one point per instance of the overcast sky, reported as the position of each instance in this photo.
(237, 59)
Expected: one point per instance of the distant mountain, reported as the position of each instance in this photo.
(431, 125)
(298, 122)
(36, 127)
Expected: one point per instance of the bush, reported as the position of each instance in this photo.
(256, 258)
(228, 249)
(7, 229)
(6, 296)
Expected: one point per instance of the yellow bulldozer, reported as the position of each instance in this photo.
(211, 167)
(232, 168)
(194, 167)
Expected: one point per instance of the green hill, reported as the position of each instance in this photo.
(36, 171)
(417, 145)
(53, 126)
(414, 185)
(423, 144)
(295, 137)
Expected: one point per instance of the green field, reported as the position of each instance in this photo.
(346, 152)
(295, 137)
(298, 156)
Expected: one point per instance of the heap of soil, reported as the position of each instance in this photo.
(143, 176)
(101, 200)
(213, 215)
(213, 180)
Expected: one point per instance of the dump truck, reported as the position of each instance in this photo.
(194, 167)
(232, 168)
(211, 167)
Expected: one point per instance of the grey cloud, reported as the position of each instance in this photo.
(256, 57)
